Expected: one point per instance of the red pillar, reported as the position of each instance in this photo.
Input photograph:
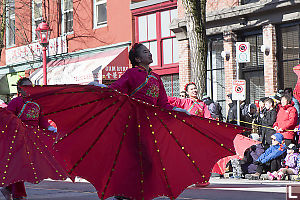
(45, 65)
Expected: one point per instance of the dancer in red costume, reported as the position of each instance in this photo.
(141, 83)
(192, 104)
(25, 146)
(133, 144)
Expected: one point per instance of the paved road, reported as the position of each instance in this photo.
(219, 189)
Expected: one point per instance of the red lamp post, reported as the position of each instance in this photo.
(43, 33)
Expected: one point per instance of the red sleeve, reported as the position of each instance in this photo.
(175, 101)
(13, 105)
(163, 98)
(122, 84)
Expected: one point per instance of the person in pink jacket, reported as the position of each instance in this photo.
(192, 104)
(286, 119)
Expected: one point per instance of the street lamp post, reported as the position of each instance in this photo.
(43, 33)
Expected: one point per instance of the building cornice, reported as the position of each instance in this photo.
(143, 4)
(252, 15)
(250, 8)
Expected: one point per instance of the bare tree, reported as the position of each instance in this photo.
(49, 10)
(196, 32)
(2, 24)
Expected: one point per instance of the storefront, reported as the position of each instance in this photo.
(102, 64)
(102, 67)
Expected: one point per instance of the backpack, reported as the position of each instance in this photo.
(215, 110)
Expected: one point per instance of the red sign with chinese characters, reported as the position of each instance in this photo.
(115, 69)
(113, 72)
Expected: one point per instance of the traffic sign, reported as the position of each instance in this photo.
(242, 52)
(238, 89)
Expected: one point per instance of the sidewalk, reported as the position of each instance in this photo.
(219, 189)
(293, 178)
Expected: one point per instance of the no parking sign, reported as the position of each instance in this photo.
(238, 90)
(242, 52)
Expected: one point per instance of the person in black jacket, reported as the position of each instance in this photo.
(214, 108)
(267, 122)
(232, 115)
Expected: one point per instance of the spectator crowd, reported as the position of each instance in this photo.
(275, 123)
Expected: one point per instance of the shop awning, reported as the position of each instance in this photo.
(107, 65)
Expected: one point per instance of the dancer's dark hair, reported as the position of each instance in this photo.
(133, 53)
(188, 84)
(20, 83)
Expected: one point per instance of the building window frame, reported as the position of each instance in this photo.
(173, 79)
(67, 21)
(211, 72)
(255, 70)
(36, 20)
(103, 23)
(280, 54)
(11, 24)
(160, 67)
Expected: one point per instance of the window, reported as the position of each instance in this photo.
(216, 73)
(289, 55)
(169, 41)
(256, 56)
(67, 16)
(10, 28)
(147, 34)
(37, 16)
(253, 71)
(243, 2)
(171, 84)
(153, 31)
(100, 13)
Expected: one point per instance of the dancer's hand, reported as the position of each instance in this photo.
(51, 128)
(94, 83)
(102, 85)
(182, 110)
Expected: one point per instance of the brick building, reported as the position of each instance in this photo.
(89, 41)
(102, 31)
(268, 23)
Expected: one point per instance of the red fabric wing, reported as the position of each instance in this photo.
(127, 147)
(26, 152)
(241, 143)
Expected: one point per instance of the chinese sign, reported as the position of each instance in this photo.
(33, 51)
(113, 72)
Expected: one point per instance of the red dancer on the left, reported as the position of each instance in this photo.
(26, 141)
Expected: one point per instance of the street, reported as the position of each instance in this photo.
(225, 189)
